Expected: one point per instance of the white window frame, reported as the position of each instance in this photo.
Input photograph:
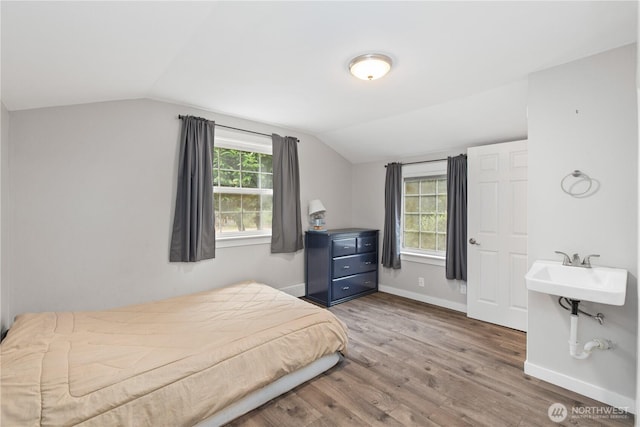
(236, 140)
(420, 170)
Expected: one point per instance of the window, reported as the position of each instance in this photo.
(242, 186)
(424, 213)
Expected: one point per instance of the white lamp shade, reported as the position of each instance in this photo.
(315, 207)
(370, 66)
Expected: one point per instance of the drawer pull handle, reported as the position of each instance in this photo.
(345, 288)
(367, 263)
(368, 282)
(346, 247)
(346, 267)
(367, 244)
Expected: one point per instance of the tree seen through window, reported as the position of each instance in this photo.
(243, 190)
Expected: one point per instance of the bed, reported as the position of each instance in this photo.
(200, 359)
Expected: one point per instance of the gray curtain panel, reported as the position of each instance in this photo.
(392, 212)
(286, 224)
(193, 237)
(456, 264)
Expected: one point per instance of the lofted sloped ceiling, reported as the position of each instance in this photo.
(459, 74)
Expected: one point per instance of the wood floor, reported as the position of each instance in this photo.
(414, 364)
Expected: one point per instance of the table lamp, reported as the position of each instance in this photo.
(316, 214)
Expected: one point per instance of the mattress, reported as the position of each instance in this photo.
(172, 362)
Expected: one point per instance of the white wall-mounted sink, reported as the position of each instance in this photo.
(597, 284)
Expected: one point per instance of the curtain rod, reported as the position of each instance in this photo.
(230, 127)
(421, 161)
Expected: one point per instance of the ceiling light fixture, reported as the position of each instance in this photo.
(370, 66)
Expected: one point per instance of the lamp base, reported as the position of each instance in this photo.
(317, 223)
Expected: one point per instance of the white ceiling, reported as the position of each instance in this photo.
(459, 74)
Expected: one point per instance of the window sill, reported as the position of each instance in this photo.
(229, 242)
(423, 258)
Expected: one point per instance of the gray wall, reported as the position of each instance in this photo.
(93, 189)
(368, 211)
(4, 207)
(600, 139)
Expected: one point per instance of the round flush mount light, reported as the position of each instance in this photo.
(370, 66)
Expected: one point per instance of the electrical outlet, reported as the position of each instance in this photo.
(463, 289)
(421, 282)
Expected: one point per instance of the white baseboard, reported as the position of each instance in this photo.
(295, 290)
(586, 389)
(423, 298)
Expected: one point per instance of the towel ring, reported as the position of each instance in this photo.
(582, 177)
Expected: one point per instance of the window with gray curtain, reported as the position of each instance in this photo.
(286, 226)
(392, 210)
(456, 261)
(193, 236)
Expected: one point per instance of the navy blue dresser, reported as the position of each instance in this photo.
(340, 264)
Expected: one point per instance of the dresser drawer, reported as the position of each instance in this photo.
(354, 264)
(351, 285)
(343, 247)
(366, 244)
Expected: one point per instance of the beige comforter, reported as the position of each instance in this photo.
(173, 362)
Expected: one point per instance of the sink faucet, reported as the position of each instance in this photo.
(574, 261)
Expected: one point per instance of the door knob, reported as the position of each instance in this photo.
(473, 241)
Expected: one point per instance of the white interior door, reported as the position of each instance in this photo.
(497, 232)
